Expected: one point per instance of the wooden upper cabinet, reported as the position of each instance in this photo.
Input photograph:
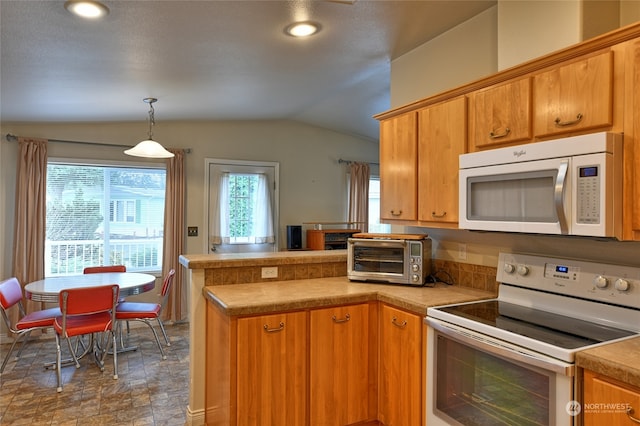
(398, 167)
(500, 115)
(574, 97)
(442, 131)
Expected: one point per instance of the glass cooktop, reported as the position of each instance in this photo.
(554, 329)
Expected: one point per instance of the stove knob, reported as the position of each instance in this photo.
(509, 268)
(601, 282)
(622, 284)
(523, 270)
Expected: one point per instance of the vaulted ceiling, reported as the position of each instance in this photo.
(213, 60)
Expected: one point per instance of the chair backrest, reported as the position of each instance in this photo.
(105, 268)
(89, 300)
(166, 286)
(10, 295)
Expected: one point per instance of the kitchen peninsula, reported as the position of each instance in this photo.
(234, 296)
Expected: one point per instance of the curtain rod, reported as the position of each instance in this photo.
(340, 161)
(14, 138)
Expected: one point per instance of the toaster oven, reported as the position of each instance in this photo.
(389, 258)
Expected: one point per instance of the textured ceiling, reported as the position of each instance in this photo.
(213, 60)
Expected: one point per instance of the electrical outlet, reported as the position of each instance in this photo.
(270, 272)
(462, 251)
(192, 231)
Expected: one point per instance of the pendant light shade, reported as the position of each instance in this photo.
(149, 148)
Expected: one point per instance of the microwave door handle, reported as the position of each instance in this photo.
(558, 196)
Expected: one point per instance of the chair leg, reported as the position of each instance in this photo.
(164, 333)
(73, 353)
(24, 343)
(58, 363)
(6, 358)
(115, 355)
(155, 334)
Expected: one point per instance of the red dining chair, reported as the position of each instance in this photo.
(105, 268)
(10, 296)
(146, 312)
(88, 310)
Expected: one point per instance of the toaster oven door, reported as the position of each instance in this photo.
(378, 260)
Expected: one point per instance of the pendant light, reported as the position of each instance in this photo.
(149, 148)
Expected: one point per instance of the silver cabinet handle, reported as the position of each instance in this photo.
(273, 330)
(494, 135)
(561, 123)
(340, 320)
(629, 414)
(396, 213)
(395, 322)
(433, 214)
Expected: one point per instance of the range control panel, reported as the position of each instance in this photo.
(617, 284)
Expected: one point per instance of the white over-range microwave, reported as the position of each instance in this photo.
(569, 186)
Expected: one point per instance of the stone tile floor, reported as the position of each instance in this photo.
(149, 390)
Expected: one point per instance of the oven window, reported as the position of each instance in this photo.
(378, 259)
(475, 388)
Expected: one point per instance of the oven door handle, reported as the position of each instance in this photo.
(500, 348)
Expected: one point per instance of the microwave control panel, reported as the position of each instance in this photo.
(588, 195)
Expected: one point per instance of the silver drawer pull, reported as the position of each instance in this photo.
(433, 214)
(396, 213)
(494, 135)
(273, 330)
(395, 322)
(340, 320)
(561, 123)
(629, 414)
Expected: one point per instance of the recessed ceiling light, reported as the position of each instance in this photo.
(87, 8)
(302, 29)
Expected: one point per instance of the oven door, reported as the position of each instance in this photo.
(476, 380)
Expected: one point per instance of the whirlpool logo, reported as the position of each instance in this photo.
(520, 153)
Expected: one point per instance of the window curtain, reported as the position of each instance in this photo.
(30, 212)
(173, 241)
(262, 219)
(359, 195)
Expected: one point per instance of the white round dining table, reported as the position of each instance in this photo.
(48, 289)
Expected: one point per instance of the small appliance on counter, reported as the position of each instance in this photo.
(389, 258)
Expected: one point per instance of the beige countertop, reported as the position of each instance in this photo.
(620, 361)
(259, 298)
(230, 260)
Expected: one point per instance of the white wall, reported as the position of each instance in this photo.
(312, 183)
(462, 54)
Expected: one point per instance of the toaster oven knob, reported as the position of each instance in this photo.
(622, 284)
(415, 278)
(509, 268)
(601, 282)
(522, 270)
(415, 267)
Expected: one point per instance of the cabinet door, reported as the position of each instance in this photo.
(500, 115)
(401, 399)
(398, 167)
(574, 97)
(341, 380)
(631, 184)
(442, 131)
(272, 370)
(605, 402)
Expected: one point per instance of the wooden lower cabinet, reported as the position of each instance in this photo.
(401, 380)
(272, 369)
(606, 401)
(343, 365)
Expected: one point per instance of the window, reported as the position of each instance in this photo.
(248, 209)
(374, 208)
(103, 215)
